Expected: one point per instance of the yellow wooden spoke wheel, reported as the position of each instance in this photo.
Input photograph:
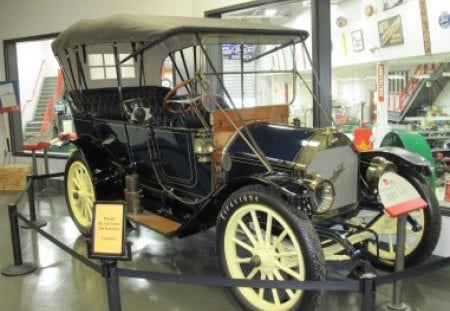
(80, 192)
(386, 228)
(261, 238)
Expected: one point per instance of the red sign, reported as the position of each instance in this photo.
(362, 139)
(380, 82)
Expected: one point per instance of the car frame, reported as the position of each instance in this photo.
(284, 199)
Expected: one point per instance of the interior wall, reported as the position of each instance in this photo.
(23, 18)
(353, 12)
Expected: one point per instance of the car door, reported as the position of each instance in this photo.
(167, 159)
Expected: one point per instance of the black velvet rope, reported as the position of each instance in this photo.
(327, 285)
(227, 282)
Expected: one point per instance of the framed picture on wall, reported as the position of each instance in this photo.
(390, 4)
(390, 31)
(357, 40)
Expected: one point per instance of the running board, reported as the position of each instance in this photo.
(155, 222)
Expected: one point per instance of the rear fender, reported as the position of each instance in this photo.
(107, 175)
(294, 191)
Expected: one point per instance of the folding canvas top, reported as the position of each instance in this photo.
(151, 29)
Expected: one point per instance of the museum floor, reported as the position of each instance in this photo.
(63, 283)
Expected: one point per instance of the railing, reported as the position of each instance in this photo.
(48, 116)
(28, 103)
(397, 101)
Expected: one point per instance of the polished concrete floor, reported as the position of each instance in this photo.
(63, 283)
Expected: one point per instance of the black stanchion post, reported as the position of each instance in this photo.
(396, 302)
(112, 284)
(399, 264)
(32, 206)
(19, 267)
(368, 291)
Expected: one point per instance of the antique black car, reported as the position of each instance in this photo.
(187, 120)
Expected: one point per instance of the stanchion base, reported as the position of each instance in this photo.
(22, 269)
(37, 223)
(389, 307)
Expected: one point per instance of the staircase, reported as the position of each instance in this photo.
(33, 127)
(423, 88)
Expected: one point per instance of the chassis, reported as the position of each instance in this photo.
(186, 120)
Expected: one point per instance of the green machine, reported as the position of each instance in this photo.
(414, 142)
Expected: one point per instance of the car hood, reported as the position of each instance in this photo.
(286, 143)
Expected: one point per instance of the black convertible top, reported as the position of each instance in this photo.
(134, 28)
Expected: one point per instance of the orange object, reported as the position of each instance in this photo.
(362, 139)
(447, 189)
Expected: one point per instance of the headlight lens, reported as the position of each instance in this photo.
(323, 194)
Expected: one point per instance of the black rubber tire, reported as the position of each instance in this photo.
(431, 227)
(76, 157)
(301, 227)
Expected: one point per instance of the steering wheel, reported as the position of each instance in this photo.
(191, 100)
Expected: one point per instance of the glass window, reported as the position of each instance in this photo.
(102, 66)
(266, 78)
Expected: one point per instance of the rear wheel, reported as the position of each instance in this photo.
(423, 228)
(261, 237)
(80, 192)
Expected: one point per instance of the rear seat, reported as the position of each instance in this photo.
(104, 103)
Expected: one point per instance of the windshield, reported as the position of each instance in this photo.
(247, 75)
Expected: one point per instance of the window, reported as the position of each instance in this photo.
(31, 63)
(103, 67)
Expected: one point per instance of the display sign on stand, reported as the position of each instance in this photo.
(9, 102)
(398, 195)
(8, 97)
(399, 198)
(108, 231)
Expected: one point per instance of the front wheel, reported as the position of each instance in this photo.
(261, 237)
(80, 192)
(423, 229)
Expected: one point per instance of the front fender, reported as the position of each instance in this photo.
(293, 190)
(403, 159)
(399, 156)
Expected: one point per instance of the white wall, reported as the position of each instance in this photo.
(353, 11)
(440, 37)
(23, 18)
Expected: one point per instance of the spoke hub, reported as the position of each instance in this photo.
(265, 257)
(76, 195)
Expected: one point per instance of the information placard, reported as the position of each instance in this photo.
(398, 195)
(9, 99)
(108, 234)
